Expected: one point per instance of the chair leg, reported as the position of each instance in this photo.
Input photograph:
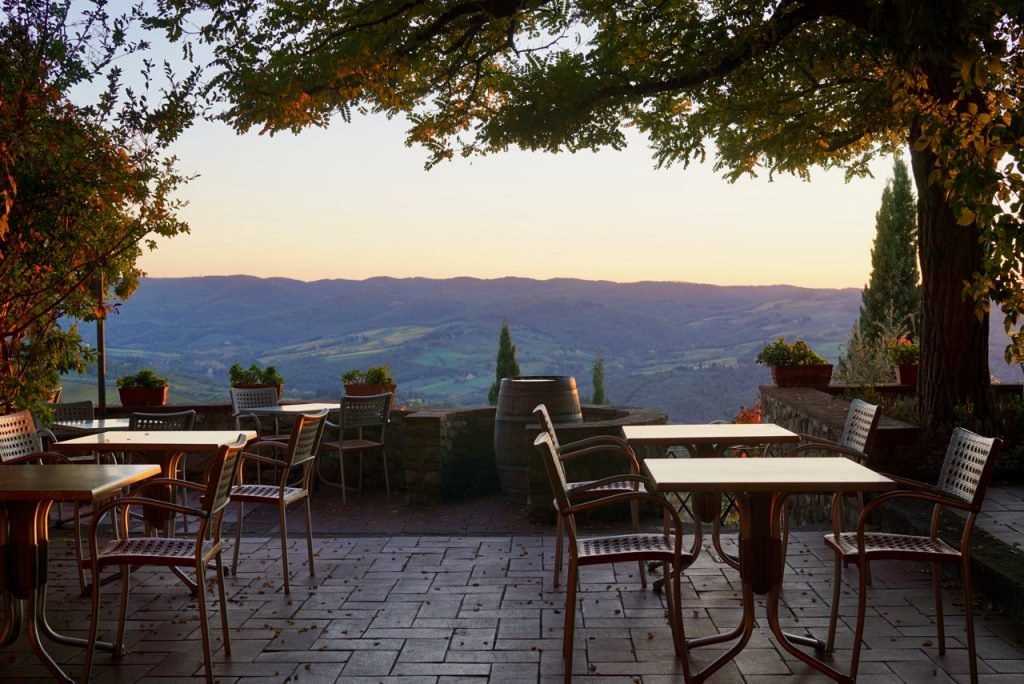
(238, 540)
(837, 580)
(634, 508)
(126, 577)
(360, 487)
(94, 623)
(309, 536)
(972, 654)
(223, 604)
(862, 604)
(204, 626)
(568, 630)
(387, 484)
(675, 606)
(559, 531)
(937, 587)
(283, 522)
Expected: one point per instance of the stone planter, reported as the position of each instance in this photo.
(802, 376)
(362, 390)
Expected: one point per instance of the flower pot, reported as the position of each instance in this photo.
(143, 396)
(906, 373)
(802, 376)
(361, 390)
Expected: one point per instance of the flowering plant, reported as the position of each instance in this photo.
(904, 351)
(749, 415)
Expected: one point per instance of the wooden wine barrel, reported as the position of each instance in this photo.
(517, 397)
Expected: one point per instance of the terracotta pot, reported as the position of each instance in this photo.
(361, 390)
(802, 376)
(143, 396)
(906, 373)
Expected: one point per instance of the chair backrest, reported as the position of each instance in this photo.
(555, 470)
(967, 467)
(220, 477)
(861, 427)
(370, 411)
(18, 436)
(305, 438)
(72, 411)
(177, 420)
(546, 424)
(245, 398)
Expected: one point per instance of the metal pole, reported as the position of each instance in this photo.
(101, 353)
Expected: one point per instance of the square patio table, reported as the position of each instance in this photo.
(29, 491)
(761, 487)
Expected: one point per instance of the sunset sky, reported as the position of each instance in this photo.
(352, 201)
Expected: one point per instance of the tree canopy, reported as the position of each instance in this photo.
(775, 85)
(82, 184)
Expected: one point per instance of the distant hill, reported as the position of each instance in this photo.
(683, 347)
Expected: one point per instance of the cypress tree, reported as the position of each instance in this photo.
(598, 381)
(507, 367)
(892, 297)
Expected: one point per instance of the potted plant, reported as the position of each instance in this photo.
(906, 356)
(373, 380)
(256, 376)
(795, 364)
(144, 388)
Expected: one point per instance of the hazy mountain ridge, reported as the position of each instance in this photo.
(684, 347)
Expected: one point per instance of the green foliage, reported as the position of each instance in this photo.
(865, 361)
(254, 375)
(903, 351)
(781, 353)
(506, 366)
(144, 379)
(893, 292)
(82, 186)
(779, 86)
(374, 375)
(597, 378)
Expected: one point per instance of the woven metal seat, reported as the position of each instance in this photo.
(582, 490)
(298, 454)
(177, 554)
(666, 548)
(963, 480)
(362, 424)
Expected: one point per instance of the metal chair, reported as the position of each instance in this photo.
(364, 420)
(21, 441)
(299, 452)
(175, 420)
(176, 554)
(963, 480)
(245, 398)
(664, 547)
(582, 489)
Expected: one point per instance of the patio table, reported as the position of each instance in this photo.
(166, 446)
(88, 427)
(709, 440)
(29, 491)
(285, 410)
(761, 487)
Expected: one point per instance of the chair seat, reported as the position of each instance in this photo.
(623, 547)
(881, 544)
(353, 444)
(624, 486)
(152, 550)
(261, 493)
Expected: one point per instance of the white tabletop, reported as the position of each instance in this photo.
(709, 433)
(792, 475)
(294, 409)
(154, 440)
(95, 425)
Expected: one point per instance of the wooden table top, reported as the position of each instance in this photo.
(293, 409)
(71, 481)
(791, 475)
(154, 440)
(709, 433)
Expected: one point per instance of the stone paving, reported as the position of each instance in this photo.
(396, 598)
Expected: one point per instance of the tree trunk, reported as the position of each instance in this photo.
(954, 340)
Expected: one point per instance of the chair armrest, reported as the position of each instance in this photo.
(625, 450)
(126, 502)
(172, 482)
(594, 441)
(266, 460)
(929, 497)
(240, 416)
(915, 485)
(831, 448)
(39, 457)
(815, 439)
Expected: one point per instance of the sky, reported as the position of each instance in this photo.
(352, 201)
